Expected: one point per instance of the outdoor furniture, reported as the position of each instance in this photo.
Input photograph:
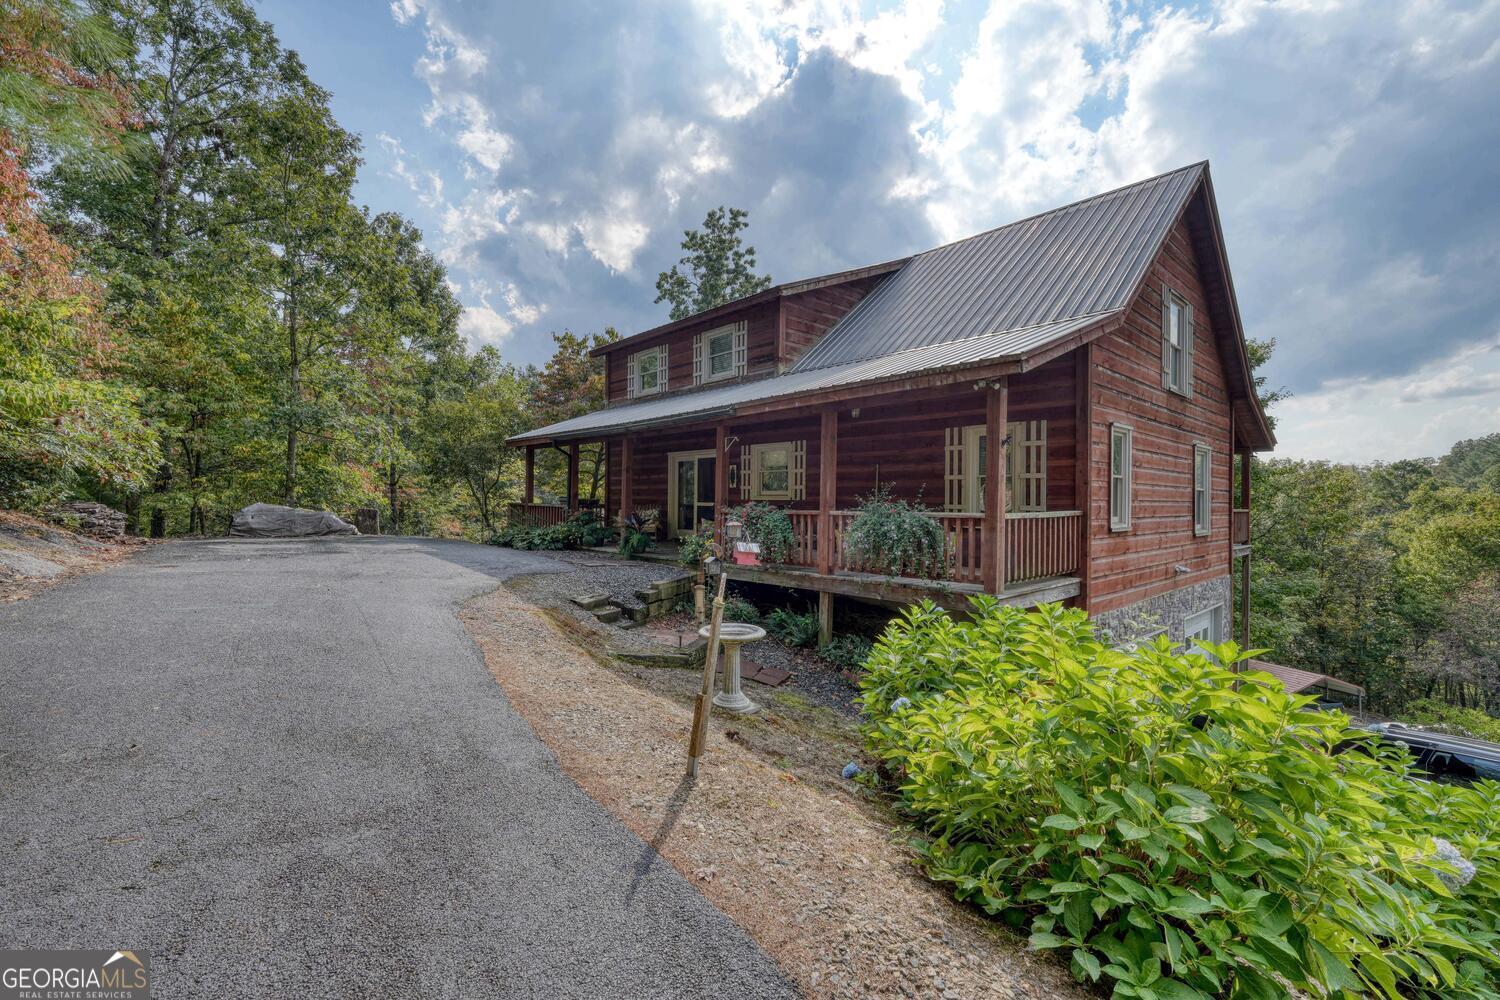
(734, 635)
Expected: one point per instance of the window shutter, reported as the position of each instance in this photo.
(1187, 350)
(797, 471)
(747, 470)
(1166, 337)
(953, 469)
(631, 381)
(698, 359)
(740, 350)
(661, 368)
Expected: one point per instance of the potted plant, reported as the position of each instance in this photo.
(767, 535)
(638, 532)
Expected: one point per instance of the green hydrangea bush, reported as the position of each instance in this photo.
(1177, 830)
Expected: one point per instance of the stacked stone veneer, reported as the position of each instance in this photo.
(1165, 611)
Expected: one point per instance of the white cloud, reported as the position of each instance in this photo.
(484, 327)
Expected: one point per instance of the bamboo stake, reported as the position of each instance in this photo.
(704, 704)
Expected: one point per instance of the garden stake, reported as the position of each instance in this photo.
(704, 704)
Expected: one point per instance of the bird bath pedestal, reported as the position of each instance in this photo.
(734, 635)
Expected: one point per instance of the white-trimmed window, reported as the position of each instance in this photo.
(648, 371)
(1121, 446)
(967, 456)
(1203, 629)
(719, 354)
(772, 479)
(1202, 489)
(1176, 342)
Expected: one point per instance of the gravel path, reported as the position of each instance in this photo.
(281, 769)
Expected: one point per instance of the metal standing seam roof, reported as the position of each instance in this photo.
(992, 297)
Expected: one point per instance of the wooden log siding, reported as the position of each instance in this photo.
(1130, 566)
(762, 325)
(805, 317)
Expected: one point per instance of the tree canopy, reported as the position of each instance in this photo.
(717, 267)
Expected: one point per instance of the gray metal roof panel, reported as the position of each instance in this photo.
(724, 399)
(1079, 260)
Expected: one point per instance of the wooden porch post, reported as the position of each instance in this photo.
(1083, 465)
(627, 500)
(530, 474)
(721, 483)
(573, 477)
(997, 406)
(828, 496)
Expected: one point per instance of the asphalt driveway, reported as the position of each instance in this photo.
(282, 769)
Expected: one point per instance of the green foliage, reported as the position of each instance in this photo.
(793, 628)
(584, 529)
(848, 652)
(716, 269)
(737, 609)
(1446, 718)
(769, 527)
(638, 532)
(1179, 830)
(896, 537)
(692, 548)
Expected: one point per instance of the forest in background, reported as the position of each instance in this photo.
(195, 315)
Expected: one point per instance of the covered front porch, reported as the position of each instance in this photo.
(1012, 516)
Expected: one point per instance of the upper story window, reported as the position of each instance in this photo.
(719, 354)
(648, 371)
(1176, 342)
(1121, 445)
(1202, 481)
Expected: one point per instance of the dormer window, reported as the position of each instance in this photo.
(648, 371)
(719, 354)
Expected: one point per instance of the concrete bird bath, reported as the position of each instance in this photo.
(734, 635)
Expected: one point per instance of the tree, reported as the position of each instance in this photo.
(63, 412)
(570, 385)
(469, 441)
(716, 269)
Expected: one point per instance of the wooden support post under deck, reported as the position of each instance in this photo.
(828, 496)
(572, 478)
(825, 617)
(530, 474)
(997, 406)
(627, 499)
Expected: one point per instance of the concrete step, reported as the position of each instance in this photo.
(608, 615)
(592, 602)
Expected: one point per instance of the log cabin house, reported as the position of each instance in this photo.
(1100, 342)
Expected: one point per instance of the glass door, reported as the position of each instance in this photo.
(692, 492)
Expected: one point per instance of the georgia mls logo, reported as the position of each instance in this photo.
(74, 975)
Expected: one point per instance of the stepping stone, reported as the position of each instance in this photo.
(591, 602)
(769, 676)
(608, 615)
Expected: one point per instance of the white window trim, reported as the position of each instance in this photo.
(703, 357)
(1121, 522)
(1016, 476)
(756, 451)
(638, 386)
(673, 527)
(1215, 615)
(1203, 481)
(1183, 383)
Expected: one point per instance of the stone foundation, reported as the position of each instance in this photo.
(1168, 611)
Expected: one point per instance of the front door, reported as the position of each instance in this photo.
(691, 485)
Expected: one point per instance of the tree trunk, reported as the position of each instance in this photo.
(391, 478)
(294, 375)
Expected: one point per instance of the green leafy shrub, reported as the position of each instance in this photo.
(1447, 718)
(639, 532)
(737, 609)
(770, 528)
(692, 548)
(897, 538)
(793, 628)
(1180, 831)
(846, 651)
(584, 529)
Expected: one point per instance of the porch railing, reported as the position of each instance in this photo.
(1038, 545)
(537, 515)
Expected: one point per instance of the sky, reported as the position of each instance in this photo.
(553, 154)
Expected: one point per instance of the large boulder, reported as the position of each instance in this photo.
(269, 520)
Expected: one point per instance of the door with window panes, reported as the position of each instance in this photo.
(1025, 465)
(692, 488)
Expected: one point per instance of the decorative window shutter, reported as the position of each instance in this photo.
(953, 469)
(631, 381)
(661, 368)
(698, 359)
(747, 470)
(1026, 465)
(740, 350)
(1166, 337)
(1187, 350)
(797, 471)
